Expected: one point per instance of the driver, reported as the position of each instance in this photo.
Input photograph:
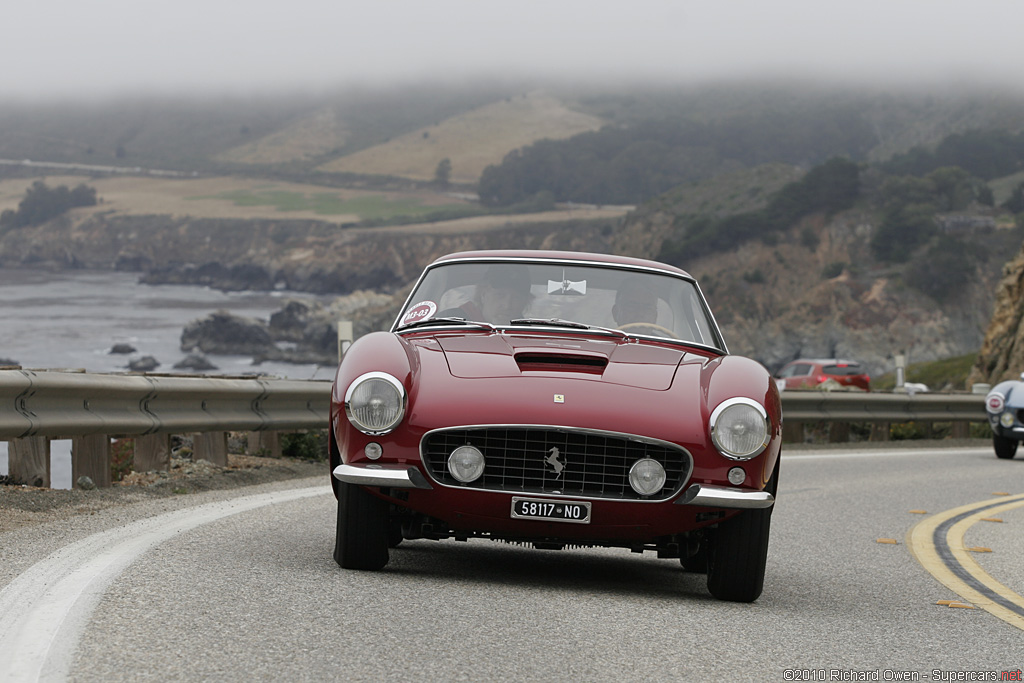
(634, 303)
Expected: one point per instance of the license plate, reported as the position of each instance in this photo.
(551, 510)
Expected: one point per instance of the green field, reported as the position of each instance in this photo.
(368, 207)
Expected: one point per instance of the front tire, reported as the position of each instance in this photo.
(737, 556)
(739, 551)
(1005, 448)
(361, 540)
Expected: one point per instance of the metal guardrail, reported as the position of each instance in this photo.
(90, 409)
(66, 404)
(856, 406)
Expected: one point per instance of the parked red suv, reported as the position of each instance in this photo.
(806, 373)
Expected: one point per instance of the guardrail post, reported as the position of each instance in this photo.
(879, 431)
(90, 457)
(211, 446)
(153, 452)
(28, 460)
(839, 432)
(961, 430)
(263, 443)
(792, 432)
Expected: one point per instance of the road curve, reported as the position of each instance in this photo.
(246, 588)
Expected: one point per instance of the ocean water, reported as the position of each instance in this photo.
(71, 319)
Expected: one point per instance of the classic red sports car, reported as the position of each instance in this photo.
(557, 398)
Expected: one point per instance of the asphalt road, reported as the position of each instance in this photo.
(232, 586)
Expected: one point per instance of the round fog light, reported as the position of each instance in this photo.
(647, 476)
(737, 476)
(1006, 419)
(466, 463)
(373, 450)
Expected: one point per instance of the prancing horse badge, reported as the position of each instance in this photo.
(554, 461)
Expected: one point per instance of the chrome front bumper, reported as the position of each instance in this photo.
(408, 477)
(392, 476)
(725, 497)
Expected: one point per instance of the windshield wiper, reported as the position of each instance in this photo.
(558, 322)
(446, 321)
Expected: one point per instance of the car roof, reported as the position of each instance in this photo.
(608, 259)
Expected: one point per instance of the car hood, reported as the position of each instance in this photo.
(627, 362)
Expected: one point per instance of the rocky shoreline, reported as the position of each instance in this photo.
(300, 332)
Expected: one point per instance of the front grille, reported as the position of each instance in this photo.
(524, 459)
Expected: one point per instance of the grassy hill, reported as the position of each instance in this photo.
(406, 131)
(471, 140)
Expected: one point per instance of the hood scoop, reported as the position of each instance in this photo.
(560, 361)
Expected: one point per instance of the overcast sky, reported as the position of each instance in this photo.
(57, 48)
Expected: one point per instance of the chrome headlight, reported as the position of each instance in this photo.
(375, 403)
(739, 428)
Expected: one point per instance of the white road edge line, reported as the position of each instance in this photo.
(45, 610)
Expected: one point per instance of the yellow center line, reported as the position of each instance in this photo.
(938, 544)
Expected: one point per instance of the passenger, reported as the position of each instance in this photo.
(501, 296)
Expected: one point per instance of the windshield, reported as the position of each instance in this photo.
(638, 302)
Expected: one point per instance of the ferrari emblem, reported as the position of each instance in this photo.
(559, 398)
(555, 463)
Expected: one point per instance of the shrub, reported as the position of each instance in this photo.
(122, 458)
(305, 445)
(834, 269)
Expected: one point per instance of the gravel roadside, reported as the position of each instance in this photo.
(22, 506)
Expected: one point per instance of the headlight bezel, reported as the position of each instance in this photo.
(350, 410)
(715, 430)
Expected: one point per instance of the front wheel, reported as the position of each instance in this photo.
(361, 540)
(738, 551)
(1005, 448)
(737, 556)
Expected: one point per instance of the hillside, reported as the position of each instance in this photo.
(305, 139)
(818, 287)
(471, 141)
(351, 137)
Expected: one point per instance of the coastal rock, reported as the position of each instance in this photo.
(224, 333)
(122, 349)
(195, 361)
(144, 364)
(289, 323)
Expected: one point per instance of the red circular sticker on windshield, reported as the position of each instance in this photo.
(424, 310)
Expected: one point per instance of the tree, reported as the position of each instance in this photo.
(42, 203)
(954, 187)
(443, 172)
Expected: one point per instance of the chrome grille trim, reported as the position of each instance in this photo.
(596, 462)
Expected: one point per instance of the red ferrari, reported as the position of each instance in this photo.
(553, 399)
